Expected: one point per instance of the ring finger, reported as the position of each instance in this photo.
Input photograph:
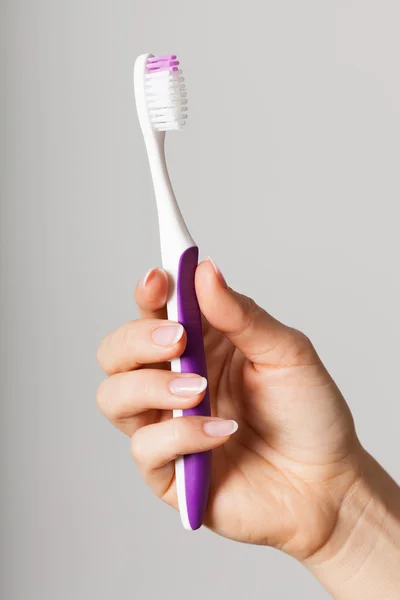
(134, 399)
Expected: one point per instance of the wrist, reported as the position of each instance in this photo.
(361, 559)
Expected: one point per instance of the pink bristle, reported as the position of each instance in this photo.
(158, 58)
(162, 63)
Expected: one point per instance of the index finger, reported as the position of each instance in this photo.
(151, 294)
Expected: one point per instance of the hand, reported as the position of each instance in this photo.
(281, 479)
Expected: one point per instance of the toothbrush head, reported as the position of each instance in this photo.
(160, 92)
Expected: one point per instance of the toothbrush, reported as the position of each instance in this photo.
(161, 104)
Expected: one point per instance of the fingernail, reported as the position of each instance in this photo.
(188, 386)
(218, 271)
(149, 276)
(167, 335)
(220, 427)
(145, 279)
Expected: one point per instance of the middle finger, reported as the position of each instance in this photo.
(125, 396)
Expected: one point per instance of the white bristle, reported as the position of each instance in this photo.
(166, 99)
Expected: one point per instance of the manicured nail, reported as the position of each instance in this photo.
(188, 386)
(148, 277)
(218, 271)
(167, 335)
(220, 427)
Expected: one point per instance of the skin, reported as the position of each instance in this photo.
(294, 475)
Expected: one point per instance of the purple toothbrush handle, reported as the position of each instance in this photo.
(197, 467)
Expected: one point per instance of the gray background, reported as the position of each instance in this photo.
(288, 174)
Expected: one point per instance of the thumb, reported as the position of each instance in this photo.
(261, 338)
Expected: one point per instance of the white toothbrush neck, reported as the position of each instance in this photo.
(174, 234)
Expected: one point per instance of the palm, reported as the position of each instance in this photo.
(275, 469)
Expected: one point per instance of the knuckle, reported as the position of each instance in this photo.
(301, 339)
(105, 401)
(249, 305)
(301, 347)
(101, 394)
(137, 446)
